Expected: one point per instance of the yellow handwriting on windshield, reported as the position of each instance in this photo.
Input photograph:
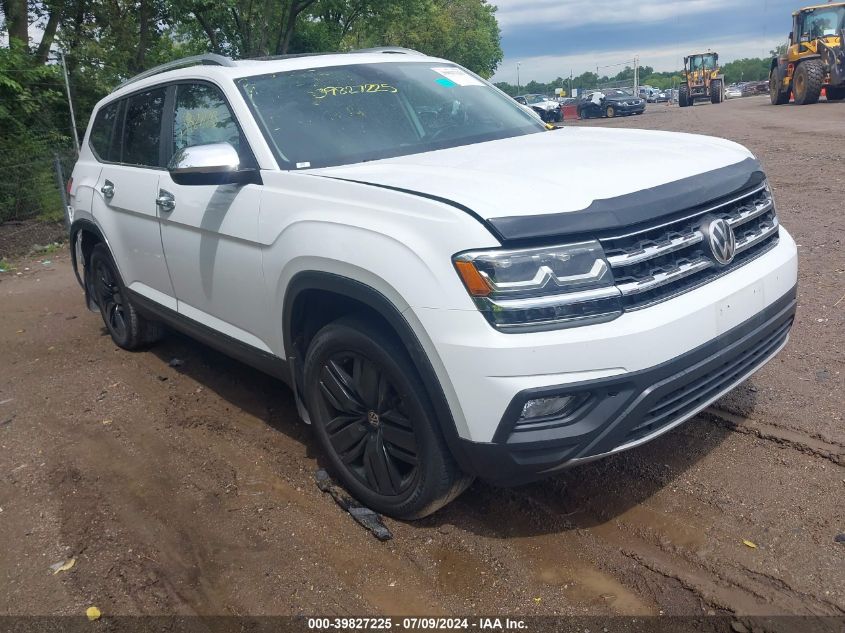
(337, 91)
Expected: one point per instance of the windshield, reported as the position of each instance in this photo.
(698, 62)
(534, 98)
(618, 93)
(338, 115)
(823, 22)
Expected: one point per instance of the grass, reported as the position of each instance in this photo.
(5, 266)
(47, 250)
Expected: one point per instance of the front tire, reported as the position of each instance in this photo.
(128, 329)
(683, 96)
(375, 422)
(808, 81)
(610, 112)
(716, 91)
(776, 96)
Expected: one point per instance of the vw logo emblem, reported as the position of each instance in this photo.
(722, 241)
(373, 419)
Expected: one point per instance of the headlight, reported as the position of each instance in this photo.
(541, 288)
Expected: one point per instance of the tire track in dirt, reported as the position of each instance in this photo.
(817, 446)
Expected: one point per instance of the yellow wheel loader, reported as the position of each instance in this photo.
(703, 80)
(814, 58)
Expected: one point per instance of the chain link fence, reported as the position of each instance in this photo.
(32, 194)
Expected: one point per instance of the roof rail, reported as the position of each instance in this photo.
(389, 50)
(208, 59)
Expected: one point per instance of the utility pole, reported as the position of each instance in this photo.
(518, 87)
(637, 76)
(70, 103)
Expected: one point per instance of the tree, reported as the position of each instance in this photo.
(241, 28)
(17, 23)
(463, 31)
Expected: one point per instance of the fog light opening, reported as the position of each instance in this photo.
(555, 406)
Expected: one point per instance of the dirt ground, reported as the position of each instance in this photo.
(190, 489)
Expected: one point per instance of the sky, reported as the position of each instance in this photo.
(550, 38)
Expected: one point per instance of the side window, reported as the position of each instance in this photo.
(142, 130)
(202, 116)
(102, 132)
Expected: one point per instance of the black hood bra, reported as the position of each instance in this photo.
(681, 196)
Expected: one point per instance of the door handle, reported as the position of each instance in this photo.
(107, 190)
(165, 201)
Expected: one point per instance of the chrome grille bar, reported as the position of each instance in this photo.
(747, 216)
(750, 241)
(663, 278)
(650, 252)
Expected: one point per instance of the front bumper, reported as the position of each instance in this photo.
(630, 109)
(487, 375)
(625, 411)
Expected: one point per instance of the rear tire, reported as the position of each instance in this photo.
(836, 93)
(375, 422)
(808, 81)
(683, 96)
(716, 91)
(776, 96)
(128, 329)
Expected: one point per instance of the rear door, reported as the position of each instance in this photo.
(125, 196)
(210, 235)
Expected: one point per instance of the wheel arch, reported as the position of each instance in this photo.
(84, 236)
(333, 296)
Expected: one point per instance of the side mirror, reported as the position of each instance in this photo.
(212, 164)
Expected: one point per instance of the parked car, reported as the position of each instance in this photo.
(663, 96)
(733, 92)
(612, 103)
(548, 109)
(752, 88)
(371, 229)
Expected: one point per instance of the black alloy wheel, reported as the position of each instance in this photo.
(374, 419)
(128, 329)
(110, 299)
(369, 426)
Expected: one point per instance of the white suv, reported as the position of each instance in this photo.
(370, 227)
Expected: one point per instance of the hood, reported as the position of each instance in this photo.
(568, 172)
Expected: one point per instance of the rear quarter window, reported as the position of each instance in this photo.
(104, 133)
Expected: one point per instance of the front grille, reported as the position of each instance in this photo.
(692, 394)
(656, 263)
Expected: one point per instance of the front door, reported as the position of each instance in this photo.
(210, 234)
